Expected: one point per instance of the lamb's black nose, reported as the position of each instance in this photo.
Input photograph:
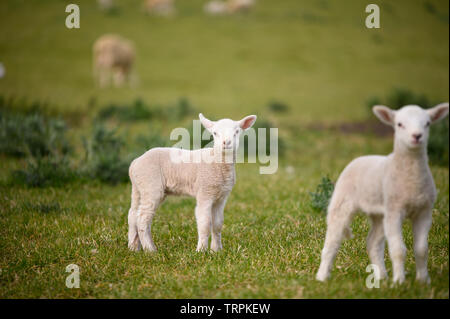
(417, 136)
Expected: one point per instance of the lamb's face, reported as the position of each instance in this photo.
(412, 126)
(226, 132)
(411, 123)
(226, 135)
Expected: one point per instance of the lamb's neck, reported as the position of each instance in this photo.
(224, 163)
(412, 160)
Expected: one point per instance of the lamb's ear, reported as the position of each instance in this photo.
(206, 123)
(438, 112)
(385, 114)
(247, 122)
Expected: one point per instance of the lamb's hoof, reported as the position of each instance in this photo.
(216, 249)
(134, 247)
(398, 282)
(150, 249)
(321, 277)
(424, 280)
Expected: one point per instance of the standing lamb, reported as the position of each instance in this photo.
(388, 189)
(113, 57)
(206, 174)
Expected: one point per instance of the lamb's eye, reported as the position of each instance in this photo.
(215, 134)
(237, 131)
(428, 124)
(400, 125)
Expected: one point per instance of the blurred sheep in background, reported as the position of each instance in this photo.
(106, 5)
(113, 58)
(218, 7)
(159, 7)
(240, 5)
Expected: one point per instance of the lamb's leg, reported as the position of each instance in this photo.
(104, 76)
(133, 236)
(397, 250)
(217, 223)
(96, 73)
(118, 77)
(338, 221)
(203, 215)
(147, 208)
(375, 244)
(128, 76)
(421, 227)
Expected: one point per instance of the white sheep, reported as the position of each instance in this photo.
(388, 189)
(219, 7)
(113, 57)
(215, 7)
(106, 5)
(156, 174)
(240, 5)
(160, 7)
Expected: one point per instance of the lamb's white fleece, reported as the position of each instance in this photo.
(388, 189)
(155, 174)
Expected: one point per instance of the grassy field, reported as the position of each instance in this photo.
(317, 57)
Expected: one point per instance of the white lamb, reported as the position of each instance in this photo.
(388, 189)
(155, 174)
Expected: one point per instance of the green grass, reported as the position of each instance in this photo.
(314, 56)
(272, 241)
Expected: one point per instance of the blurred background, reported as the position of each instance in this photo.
(76, 107)
(297, 64)
(316, 56)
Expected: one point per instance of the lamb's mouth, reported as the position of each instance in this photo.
(414, 145)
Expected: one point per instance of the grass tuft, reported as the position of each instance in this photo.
(321, 197)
